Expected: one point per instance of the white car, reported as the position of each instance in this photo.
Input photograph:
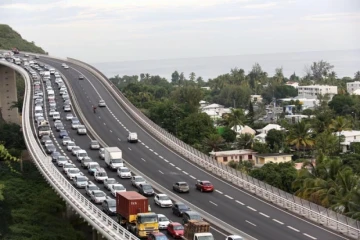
(66, 140)
(66, 67)
(61, 160)
(102, 153)
(163, 200)
(109, 182)
(73, 172)
(51, 112)
(81, 154)
(97, 196)
(75, 149)
(117, 188)
(90, 187)
(163, 221)
(56, 116)
(67, 108)
(234, 237)
(67, 166)
(137, 180)
(81, 129)
(69, 116)
(70, 145)
(124, 172)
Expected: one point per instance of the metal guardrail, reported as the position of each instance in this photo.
(105, 225)
(309, 210)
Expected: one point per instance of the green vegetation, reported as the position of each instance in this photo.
(10, 39)
(327, 177)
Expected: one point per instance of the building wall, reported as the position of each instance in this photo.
(275, 159)
(352, 86)
(313, 91)
(235, 158)
(8, 95)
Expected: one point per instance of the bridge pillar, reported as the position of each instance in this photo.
(96, 235)
(69, 211)
(8, 95)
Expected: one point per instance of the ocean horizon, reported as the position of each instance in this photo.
(346, 63)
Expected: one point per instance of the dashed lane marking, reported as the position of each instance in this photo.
(192, 177)
(161, 172)
(219, 192)
(147, 146)
(119, 139)
(309, 236)
(178, 168)
(229, 197)
(250, 223)
(213, 203)
(278, 221)
(172, 164)
(253, 209)
(263, 214)
(110, 131)
(296, 230)
(166, 160)
(151, 150)
(156, 153)
(143, 159)
(129, 148)
(161, 157)
(104, 123)
(239, 202)
(185, 173)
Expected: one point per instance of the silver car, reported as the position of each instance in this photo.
(90, 187)
(66, 140)
(80, 181)
(94, 144)
(102, 103)
(81, 130)
(108, 182)
(97, 196)
(61, 160)
(102, 153)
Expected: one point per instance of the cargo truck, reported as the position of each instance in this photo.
(197, 230)
(113, 158)
(132, 213)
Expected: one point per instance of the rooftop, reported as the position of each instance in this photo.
(273, 154)
(232, 152)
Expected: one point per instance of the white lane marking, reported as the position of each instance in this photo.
(293, 229)
(99, 117)
(251, 208)
(213, 203)
(305, 234)
(166, 160)
(172, 164)
(229, 197)
(129, 148)
(250, 223)
(185, 172)
(239, 202)
(143, 159)
(178, 168)
(264, 214)
(147, 146)
(192, 177)
(143, 143)
(161, 172)
(156, 153)
(161, 157)
(151, 150)
(278, 221)
(104, 123)
(110, 131)
(218, 191)
(119, 139)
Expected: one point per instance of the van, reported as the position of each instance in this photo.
(38, 111)
(132, 137)
(191, 215)
(100, 174)
(50, 92)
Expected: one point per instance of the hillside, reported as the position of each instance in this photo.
(10, 38)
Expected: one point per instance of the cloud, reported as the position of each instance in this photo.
(331, 16)
(222, 19)
(262, 5)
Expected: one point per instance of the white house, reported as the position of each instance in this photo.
(215, 111)
(305, 102)
(269, 127)
(350, 137)
(356, 92)
(260, 137)
(312, 91)
(352, 86)
(256, 98)
(296, 118)
(243, 130)
(293, 84)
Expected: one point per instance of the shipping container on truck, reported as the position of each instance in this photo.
(197, 230)
(132, 213)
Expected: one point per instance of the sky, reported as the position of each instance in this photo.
(122, 30)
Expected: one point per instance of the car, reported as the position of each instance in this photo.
(132, 137)
(109, 206)
(191, 215)
(63, 133)
(175, 230)
(65, 97)
(81, 130)
(234, 237)
(92, 166)
(66, 67)
(69, 116)
(63, 64)
(80, 181)
(179, 208)
(45, 138)
(146, 189)
(54, 155)
(75, 123)
(91, 187)
(81, 77)
(52, 105)
(48, 142)
(163, 221)
(97, 196)
(73, 172)
(137, 180)
(70, 145)
(60, 127)
(61, 160)
(102, 153)
(81, 154)
(163, 200)
(66, 166)
(66, 140)
(56, 116)
(85, 161)
(74, 150)
(117, 188)
(50, 148)
(123, 172)
(204, 186)
(181, 187)
(58, 123)
(108, 182)
(157, 236)
(67, 102)
(94, 145)
(67, 108)
(51, 112)
(102, 103)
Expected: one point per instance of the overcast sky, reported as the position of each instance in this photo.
(116, 30)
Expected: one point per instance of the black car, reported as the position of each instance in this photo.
(179, 208)
(81, 77)
(54, 156)
(146, 190)
(109, 206)
(50, 148)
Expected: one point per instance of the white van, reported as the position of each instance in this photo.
(132, 137)
(38, 111)
(50, 92)
(100, 174)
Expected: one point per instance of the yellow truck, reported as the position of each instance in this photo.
(132, 213)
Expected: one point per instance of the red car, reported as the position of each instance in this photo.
(157, 236)
(176, 230)
(204, 186)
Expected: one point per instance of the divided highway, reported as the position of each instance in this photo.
(228, 203)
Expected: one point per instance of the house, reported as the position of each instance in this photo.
(312, 91)
(296, 118)
(243, 130)
(203, 103)
(256, 98)
(351, 87)
(233, 155)
(350, 137)
(261, 159)
(305, 102)
(261, 137)
(269, 127)
(292, 84)
(356, 92)
(215, 111)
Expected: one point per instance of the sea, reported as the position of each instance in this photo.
(345, 62)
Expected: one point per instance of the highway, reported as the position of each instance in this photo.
(228, 203)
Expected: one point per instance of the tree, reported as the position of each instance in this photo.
(279, 76)
(326, 143)
(200, 81)
(189, 96)
(320, 69)
(294, 78)
(175, 77)
(235, 118)
(357, 76)
(275, 139)
(338, 125)
(245, 141)
(342, 104)
(192, 76)
(300, 136)
(213, 142)
(228, 135)
(251, 114)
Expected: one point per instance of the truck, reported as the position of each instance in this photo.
(44, 128)
(132, 210)
(113, 158)
(197, 230)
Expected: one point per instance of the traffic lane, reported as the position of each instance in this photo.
(252, 199)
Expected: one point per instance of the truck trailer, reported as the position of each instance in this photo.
(197, 230)
(132, 213)
(113, 158)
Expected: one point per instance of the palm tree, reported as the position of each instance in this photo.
(213, 142)
(235, 117)
(300, 136)
(357, 75)
(245, 141)
(338, 125)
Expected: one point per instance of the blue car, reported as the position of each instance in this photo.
(63, 133)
